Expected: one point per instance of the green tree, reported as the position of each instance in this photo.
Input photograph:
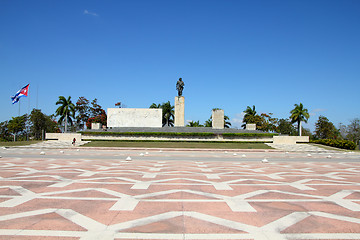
(208, 123)
(95, 109)
(4, 131)
(250, 116)
(97, 114)
(265, 122)
(299, 114)
(285, 127)
(52, 125)
(82, 109)
(41, 123)
(194, 124)
(324, 129)
(227, 122)
(17, 125)
(353, 131)
(306, 132)
(167, 113)
(66, 111)
(38, 123)
(154, 105)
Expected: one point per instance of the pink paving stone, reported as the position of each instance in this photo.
(277, 195)
(266, 211)
(9, 192)
(17, 237)
(85, 194)
(192, 225)
(181, 195)
(174, 225)
(41, 222)
(305, 206)
(355, 195)
(315, 224)
(145, 209)
(204, 188)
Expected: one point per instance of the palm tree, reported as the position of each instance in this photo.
(249, 116)
(227, 122)
(154, 105)
(194, 124)
(167, 113)
(208, 123)
(299, 114)
(65, 111)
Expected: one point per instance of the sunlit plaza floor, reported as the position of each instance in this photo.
(178, 194)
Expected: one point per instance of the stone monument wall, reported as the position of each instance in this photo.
(218, 119)
(179, 112)
(250, 126)
(134, 117)
(95, 125)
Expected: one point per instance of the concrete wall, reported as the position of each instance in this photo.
(179, 120)
(290, 139)
(95, 125)
(63, 136)
(251, 126)
(217, 119)
(134, 117)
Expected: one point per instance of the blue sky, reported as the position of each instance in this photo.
(230, 54)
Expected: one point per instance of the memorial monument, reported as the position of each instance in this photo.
(134, 117)
(179, 105)
(217, 118)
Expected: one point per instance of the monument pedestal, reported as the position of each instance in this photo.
(218, 119)
(179, 112)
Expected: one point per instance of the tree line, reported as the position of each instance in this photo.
(324, 129)
(75, 117)
(292, 126)
(68, 117)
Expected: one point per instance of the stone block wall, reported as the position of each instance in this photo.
(218, 119)
(134, 117)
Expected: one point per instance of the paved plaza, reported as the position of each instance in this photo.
(83, 193)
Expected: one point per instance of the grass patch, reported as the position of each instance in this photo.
(166, 144)
(17, 143)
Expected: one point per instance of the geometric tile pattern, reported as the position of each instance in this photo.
(82, 195)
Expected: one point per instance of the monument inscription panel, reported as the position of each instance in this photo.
(134, 117)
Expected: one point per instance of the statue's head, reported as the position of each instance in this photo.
(180, 79)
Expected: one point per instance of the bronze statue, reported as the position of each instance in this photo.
(180, 86)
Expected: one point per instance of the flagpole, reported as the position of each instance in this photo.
(19, 108)
(29, 104)
(37, 96)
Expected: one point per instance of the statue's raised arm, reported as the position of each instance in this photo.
(180, 86)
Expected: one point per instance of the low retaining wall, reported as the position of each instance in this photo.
(290, 139)
(63, 136)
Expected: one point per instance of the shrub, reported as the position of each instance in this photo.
(174, 134)
(98, 119)
(249, 134)
(344, 144)
(148, 133)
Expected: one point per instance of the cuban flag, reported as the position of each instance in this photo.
(21, 93)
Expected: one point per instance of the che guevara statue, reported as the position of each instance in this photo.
(180, 86)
